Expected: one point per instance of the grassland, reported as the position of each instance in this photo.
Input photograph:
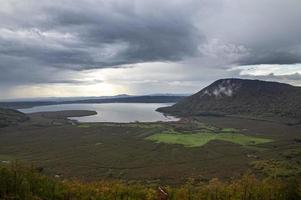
(200, 139)
(199, 134)
(106, 151)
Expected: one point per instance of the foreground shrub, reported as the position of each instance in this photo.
(24, 183)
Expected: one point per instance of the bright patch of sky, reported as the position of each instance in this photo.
(264, 69)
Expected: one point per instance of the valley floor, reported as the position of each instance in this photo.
(135, 152)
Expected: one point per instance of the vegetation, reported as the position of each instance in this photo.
(11, 117)
(200, 139)
(276, 168)
(143, 125)
(236, 97)
(101, 151)
(19, 182)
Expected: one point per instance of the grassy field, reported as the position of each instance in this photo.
(93, 151)
(200, 139)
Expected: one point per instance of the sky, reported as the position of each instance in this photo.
(60, 48)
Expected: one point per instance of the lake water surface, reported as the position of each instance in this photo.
(111, 112)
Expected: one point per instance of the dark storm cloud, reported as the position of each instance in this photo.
(104, 34)
(281, 56)
(41, 41)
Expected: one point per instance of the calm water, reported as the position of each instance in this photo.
(111, 112)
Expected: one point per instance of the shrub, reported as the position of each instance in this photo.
(25, 183)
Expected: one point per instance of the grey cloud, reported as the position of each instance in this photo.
(267, 29)
(157, 31)
(42, 41)
(272, 56)
(74, 82)
(102, 34)
(272, 76)
(168, 36)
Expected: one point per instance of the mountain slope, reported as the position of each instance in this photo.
(244, 98)
(11, 117)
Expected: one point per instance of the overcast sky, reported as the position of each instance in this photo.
(108, 47)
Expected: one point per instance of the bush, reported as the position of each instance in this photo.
(25, 183)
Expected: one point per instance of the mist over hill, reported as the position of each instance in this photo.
(243, 97)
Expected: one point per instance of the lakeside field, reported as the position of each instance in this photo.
(200, 139)
(222, 147)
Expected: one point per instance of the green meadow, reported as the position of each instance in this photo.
(200, 139)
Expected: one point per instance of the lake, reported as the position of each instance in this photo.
(111, 112)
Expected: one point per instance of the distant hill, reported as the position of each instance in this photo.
(136, 99)
(113, 99)
(11, 117)
(243, 97)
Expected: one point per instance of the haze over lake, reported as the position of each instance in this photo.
(111, 112)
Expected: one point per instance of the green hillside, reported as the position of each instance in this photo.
(242, 97)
